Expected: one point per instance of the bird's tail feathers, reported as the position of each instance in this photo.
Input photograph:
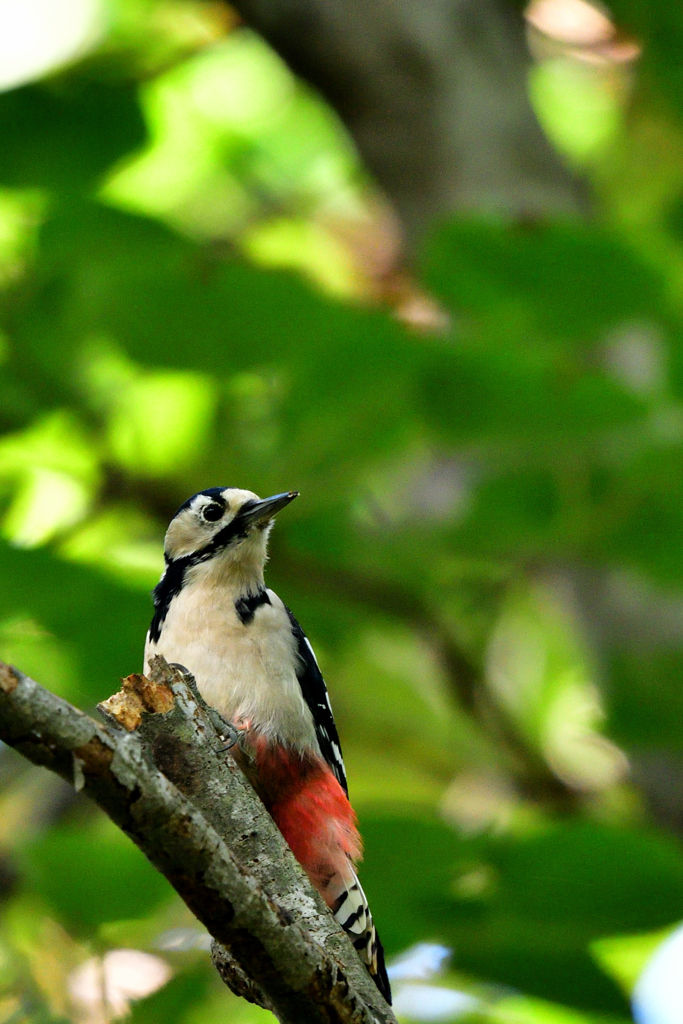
(351, 910)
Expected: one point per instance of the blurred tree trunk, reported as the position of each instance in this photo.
(434, 94)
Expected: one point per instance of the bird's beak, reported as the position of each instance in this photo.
(256, 512)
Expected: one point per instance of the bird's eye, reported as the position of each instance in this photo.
(213, 512)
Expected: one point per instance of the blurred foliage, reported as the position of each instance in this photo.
(188, 247)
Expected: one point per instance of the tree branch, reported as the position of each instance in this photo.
(209, 835)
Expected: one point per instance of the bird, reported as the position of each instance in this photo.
(253, 663)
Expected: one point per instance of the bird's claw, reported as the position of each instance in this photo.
(228, 738)
(233, 735)
(181, 668)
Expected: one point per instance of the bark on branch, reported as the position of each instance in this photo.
(158, 771)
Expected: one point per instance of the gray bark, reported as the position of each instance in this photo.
(434, 94)
(275, 941)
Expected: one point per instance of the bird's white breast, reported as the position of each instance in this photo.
(246, 671)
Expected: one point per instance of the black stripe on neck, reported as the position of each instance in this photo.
(172, 582)
(246, 606)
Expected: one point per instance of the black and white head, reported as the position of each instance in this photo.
(223, 523)
(218, 537)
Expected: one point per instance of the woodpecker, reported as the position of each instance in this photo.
(254, 664)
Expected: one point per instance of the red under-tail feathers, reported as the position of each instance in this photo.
(314, 815)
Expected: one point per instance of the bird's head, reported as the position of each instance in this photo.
(226, 525)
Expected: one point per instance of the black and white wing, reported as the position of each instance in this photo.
(315, 694)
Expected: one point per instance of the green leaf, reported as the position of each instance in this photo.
(93, 874)
(519, 1009)
(659, 28)
(624, 957)
(64, 136)
(551, 893)
(102, 623)
(537, 283)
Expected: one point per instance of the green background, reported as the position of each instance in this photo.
(488, 549)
